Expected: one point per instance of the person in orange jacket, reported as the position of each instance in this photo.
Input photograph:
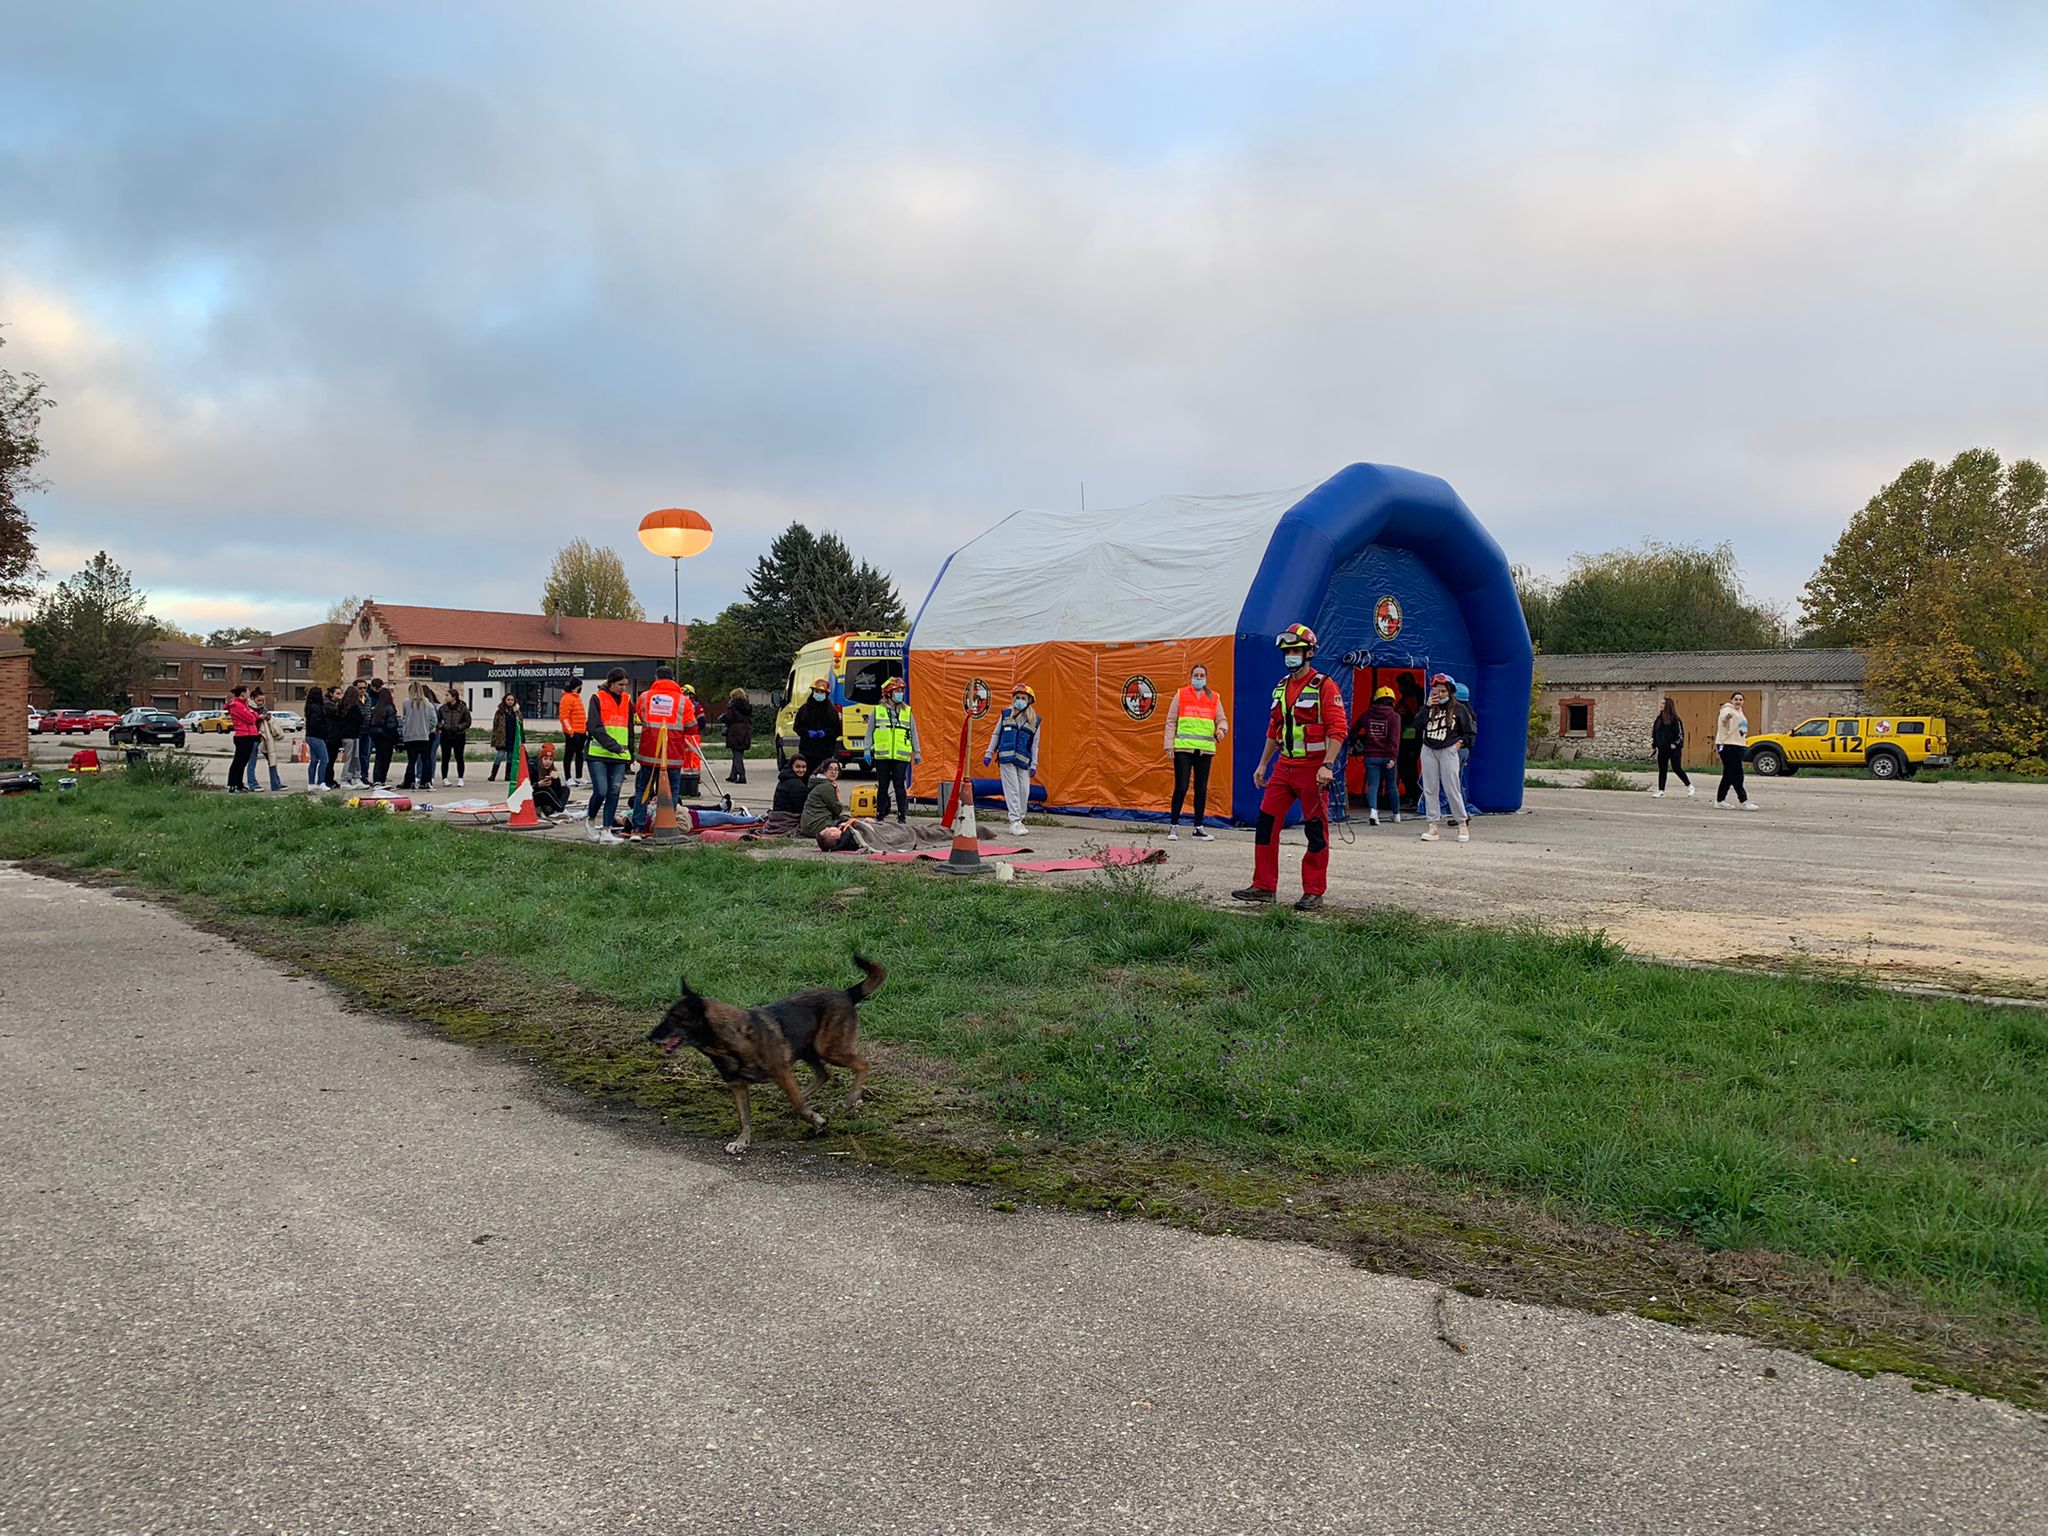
(575, 732)
(1303, 731)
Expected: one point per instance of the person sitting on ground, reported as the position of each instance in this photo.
(786, 812)
(823, 816)
(550, 794)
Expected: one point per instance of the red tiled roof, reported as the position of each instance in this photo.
(310, 638)
(179, 650)
(530, 634)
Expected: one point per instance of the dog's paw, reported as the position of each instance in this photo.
(817, 1121)
(736, 1148)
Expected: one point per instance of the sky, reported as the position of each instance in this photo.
(396, 299)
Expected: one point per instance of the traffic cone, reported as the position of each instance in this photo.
(665, 829)
(965, 858)
(525, 816)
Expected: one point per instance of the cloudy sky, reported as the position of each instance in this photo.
(359, 298)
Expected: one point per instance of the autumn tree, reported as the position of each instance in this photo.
(236, 636)
(587, 582)
(1658, 597)
(21, 416)
(1943, 579)
(91, 634)
(325, 666)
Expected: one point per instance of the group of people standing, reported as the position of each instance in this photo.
(352, 732)
(258, 738)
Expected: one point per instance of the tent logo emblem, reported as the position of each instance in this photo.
(1386, 617)
(977, 698)
(1140, 697)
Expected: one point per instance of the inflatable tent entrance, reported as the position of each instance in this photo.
(1105, 613)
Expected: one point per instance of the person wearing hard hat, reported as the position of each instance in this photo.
(1446, 726)
(818, 726)
(1376, 742)
(1014, 746)
(892, 748)
(1303, 733)
(1195, 722)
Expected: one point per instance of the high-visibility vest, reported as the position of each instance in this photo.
(889, 734)
(1194, 725)
(615, 717)
(664, 712)
(1301, 727)
(1015, 738)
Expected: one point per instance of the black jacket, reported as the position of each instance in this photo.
(1667, 737)
(316, 714)
(790, 790)
(817, 729)
(738, 721)
(351, 718)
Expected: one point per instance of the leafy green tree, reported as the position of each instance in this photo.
(91, 634)
(236, 636)
(1658, 597)
(1943, 579)
(586, 582)
(807, 586)
(1538, 598)
(21, 416)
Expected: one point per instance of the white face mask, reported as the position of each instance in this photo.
(1294, 661)
(1018, 701)
(817, 695)
(1201, 679)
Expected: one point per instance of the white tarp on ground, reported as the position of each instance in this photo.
(1171, 569)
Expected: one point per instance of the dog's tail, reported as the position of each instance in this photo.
(867, 989)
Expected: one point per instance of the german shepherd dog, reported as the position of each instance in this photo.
(763, 1045)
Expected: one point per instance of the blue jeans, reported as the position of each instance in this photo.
(255, 757)
(363, 758)
(644, 794)
(316, 761)
(607, 776)
(1380, 771)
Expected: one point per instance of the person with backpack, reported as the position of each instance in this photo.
(1376, 742)
(1667, 740)
(1195, 723)
(1447, 725)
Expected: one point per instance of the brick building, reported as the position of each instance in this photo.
(290, 656)
(175, 676)
(1603, 704)
(14, 678)
(487, 654)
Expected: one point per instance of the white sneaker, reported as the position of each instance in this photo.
(1749, 805)
(1691, 790)
(1372, 818)
(1173, 834)
(1202, 836)
(458, 781)
(1656, 794)
(593, 831)
(1431, 835)
(1465, 834)
(609, 836)
(1016, 829)
(1397, 818)
(1726, 805)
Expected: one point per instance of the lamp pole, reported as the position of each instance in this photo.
(678, 533)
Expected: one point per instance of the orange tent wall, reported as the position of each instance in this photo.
(1093, 753)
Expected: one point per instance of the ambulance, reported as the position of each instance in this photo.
(854, 667)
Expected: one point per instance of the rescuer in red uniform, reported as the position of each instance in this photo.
(1304, 730)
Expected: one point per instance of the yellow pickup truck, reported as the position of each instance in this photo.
(1890, 746)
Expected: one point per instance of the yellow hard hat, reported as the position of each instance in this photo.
(1382, 693)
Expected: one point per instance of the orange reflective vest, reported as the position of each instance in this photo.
(1194, 720)
(611, 728)
(668, 717)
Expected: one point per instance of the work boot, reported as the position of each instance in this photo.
(1310, 902)
(1252, 893)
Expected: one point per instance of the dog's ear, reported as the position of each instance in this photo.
(688, 991)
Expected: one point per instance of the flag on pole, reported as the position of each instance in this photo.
(520, 801)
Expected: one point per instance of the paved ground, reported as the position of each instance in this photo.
(272, 1266)
(1938, 883)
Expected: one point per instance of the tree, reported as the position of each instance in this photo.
(586, 582)
(166, 630)
(325, 667)
(21, 416)
(1659, 597)
(91, 634)
(237, 636)
(1538, 598)
(1943, 579)
(806, 586)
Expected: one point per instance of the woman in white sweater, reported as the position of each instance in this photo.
(1731, 740)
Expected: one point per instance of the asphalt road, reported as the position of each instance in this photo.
(269, 1265)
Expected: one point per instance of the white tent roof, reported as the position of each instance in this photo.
(1171, 569)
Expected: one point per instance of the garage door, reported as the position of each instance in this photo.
(1699, 708)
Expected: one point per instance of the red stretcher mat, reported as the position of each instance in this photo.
(988, 851)
(1122, 855)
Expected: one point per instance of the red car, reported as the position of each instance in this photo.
(73, 722)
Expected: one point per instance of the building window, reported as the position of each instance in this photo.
(363, 665)
(486, 690)
(1575, 717)
(422, 666)
(252, 674)
(211, 673)
(165, 701)
(168, 669)
(212, 703)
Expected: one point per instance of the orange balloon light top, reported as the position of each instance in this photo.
(676, 532)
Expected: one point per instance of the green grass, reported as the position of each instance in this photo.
(1894, 1139)
(1606, 778)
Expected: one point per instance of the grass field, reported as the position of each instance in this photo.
(1896, 1144)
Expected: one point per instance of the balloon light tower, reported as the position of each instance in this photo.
(677, 533)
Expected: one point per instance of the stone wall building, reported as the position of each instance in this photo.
(1602, 705)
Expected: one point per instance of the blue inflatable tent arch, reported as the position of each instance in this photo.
(1370, 532)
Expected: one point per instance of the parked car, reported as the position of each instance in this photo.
(76, 722)
(288, 719)
(35, 720)
(1890, 746)
(204, 720)
(147, 728)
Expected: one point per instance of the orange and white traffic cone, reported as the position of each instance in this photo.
(965, 858)
(665, 829)
(525, 815)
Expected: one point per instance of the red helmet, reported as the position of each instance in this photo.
(893, 685)
(1296, 637)
(1445, 678)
